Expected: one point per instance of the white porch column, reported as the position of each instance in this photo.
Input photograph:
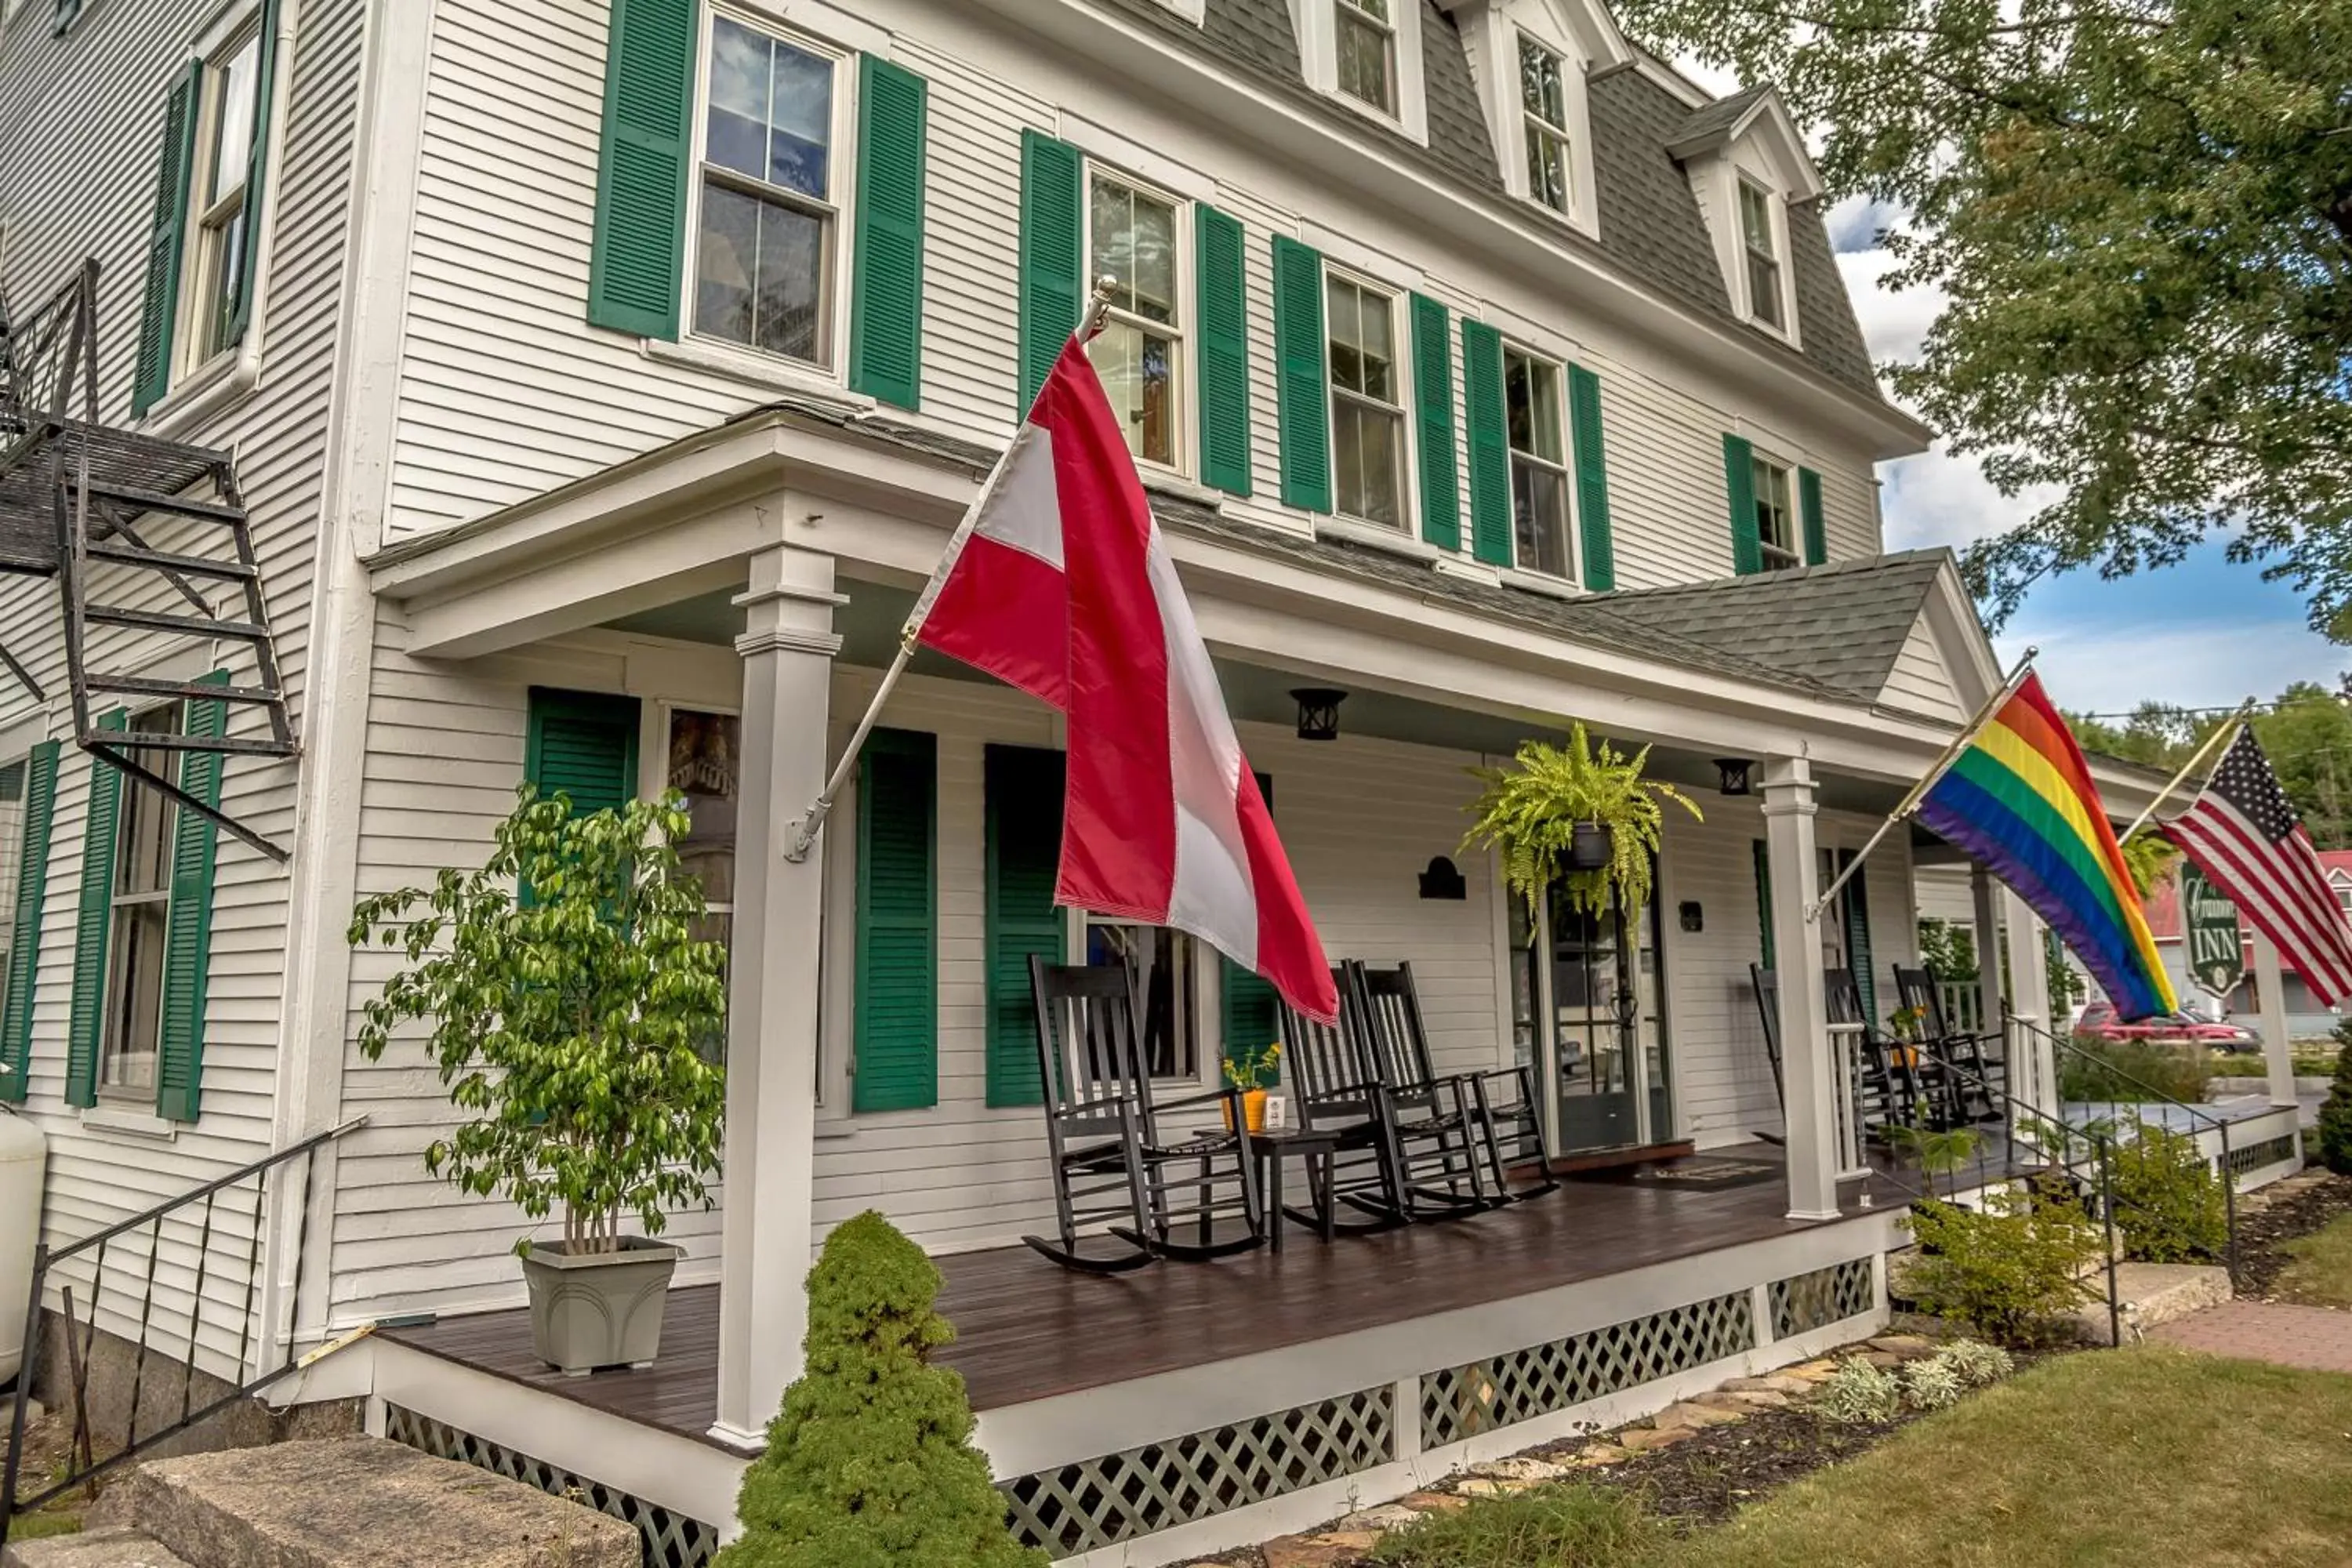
(1808, 1076)
(2278, 1050)
(1991, 1001)
(2034, 1063)
(788, 644)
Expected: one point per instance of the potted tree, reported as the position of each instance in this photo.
(1581, 815)
(566, 996)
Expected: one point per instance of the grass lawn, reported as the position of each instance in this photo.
(2321, 1274)
(2130, 1458)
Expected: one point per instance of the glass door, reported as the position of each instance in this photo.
(1604, 1053)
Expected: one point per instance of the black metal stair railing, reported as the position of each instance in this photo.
(221, 1227)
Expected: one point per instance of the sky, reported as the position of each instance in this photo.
(2201, 634)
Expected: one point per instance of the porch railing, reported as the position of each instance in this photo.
(200, 1250)
(43, 353)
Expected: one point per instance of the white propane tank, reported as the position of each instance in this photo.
(23, 1156)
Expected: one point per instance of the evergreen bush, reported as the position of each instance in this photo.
(2335, 1115)
(2169, 1203)
(870, 1464)
(2010, 1270)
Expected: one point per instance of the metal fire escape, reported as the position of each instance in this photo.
(79, 502)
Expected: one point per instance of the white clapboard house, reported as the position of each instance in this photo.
(577, 390)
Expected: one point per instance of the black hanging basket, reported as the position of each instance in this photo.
(1592, 848)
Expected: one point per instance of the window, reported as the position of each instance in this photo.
(1531, 404)
(763, 262)
(1162, 963)
(218, 274)
(140, 914)
(704, 763)
(1543, 116)
(1776, 530)
(1366, 415)
(1763, 260)
(2343, 896)
(1367, 48)
(1132, 238)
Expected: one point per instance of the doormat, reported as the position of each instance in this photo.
(1700, 1173)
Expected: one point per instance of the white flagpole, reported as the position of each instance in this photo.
(812, 820)
(2227, 731)
(1910, 802)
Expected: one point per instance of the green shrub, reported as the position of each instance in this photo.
(2127, 1072)
(1977, 1363)
(2335, 1115)
(1859, 1394)
(869, 1464)
(2169, 1203)
(2010, 1270)
(1570, 1523)
(1932, 1384)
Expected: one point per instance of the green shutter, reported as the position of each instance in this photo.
(1809, 506)
(257, 170)
(1857, 939)
(897, 1036)
(637, 259)
(40, 798)
(188, 930)
(1490, 455)
(92, 919)
(1740, 479)
(1600, 552)
(885, 309)
(1224, 352)
(1023, 855)
(1249, 1011)
(1432, 398)
(159, 303)
(582, 745)
(1052, 253)
(1764, 900)
(1303, 392)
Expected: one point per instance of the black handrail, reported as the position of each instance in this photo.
(82, 1336)
(45, 351)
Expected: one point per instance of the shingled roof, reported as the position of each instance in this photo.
(1651, 228)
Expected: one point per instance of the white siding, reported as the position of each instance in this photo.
(81, 117)
(1920, 682)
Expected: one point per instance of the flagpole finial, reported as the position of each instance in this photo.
(1097, 306)
(2032, 651)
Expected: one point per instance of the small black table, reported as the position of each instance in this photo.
(1271, 1148)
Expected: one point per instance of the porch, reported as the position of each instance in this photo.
(1142, 1419)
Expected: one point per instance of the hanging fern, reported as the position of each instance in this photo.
(2149, 859)
(1529, 811)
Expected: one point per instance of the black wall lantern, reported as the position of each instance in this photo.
(1443, 881)
(1318, 712)
(1734, 775)
(1693, 917)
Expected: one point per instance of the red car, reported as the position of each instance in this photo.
(2099, 1022)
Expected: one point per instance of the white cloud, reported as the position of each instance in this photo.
(2112, 668)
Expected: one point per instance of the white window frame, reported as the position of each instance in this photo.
(1777, 557)
(842, 157)
(1408, 523)
(1317, 26)
(1207, 1014)
(1187, 430)
(1533, 125)
(1776, 227)
(118, 977)
(211, 209)
(1565, 467)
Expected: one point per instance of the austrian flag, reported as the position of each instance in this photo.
(1060, 584)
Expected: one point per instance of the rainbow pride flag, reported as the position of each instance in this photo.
(2020, 800)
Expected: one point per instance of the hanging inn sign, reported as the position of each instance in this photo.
(2216, 956)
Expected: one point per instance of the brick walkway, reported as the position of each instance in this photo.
(2312, 1337)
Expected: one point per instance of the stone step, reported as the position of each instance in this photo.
(2153, 1293)
(356, 1502)
(117, 1547)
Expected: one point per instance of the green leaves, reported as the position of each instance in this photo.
(2139, 214)
(570, 1022)
(1530, 810)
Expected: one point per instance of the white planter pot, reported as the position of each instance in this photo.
(592, 1309)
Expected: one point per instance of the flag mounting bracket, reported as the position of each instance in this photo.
(812, 821)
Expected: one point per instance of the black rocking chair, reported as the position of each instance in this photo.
(1331, 1088)
(1454, 1163)
(1767, 986)
(1968, 1092)
(1889, 1091)
(1189, 1200)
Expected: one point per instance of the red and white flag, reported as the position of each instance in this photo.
(1061, 585)
(2244, 835)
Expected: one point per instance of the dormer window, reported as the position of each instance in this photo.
(1543, 108)
(1367, 47)
(1776, 526)
(1763, 255)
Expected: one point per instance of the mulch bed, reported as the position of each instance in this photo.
(2263, 1229)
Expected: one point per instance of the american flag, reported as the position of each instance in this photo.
(2244, 835)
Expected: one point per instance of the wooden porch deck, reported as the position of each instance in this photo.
(1028, 1330)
